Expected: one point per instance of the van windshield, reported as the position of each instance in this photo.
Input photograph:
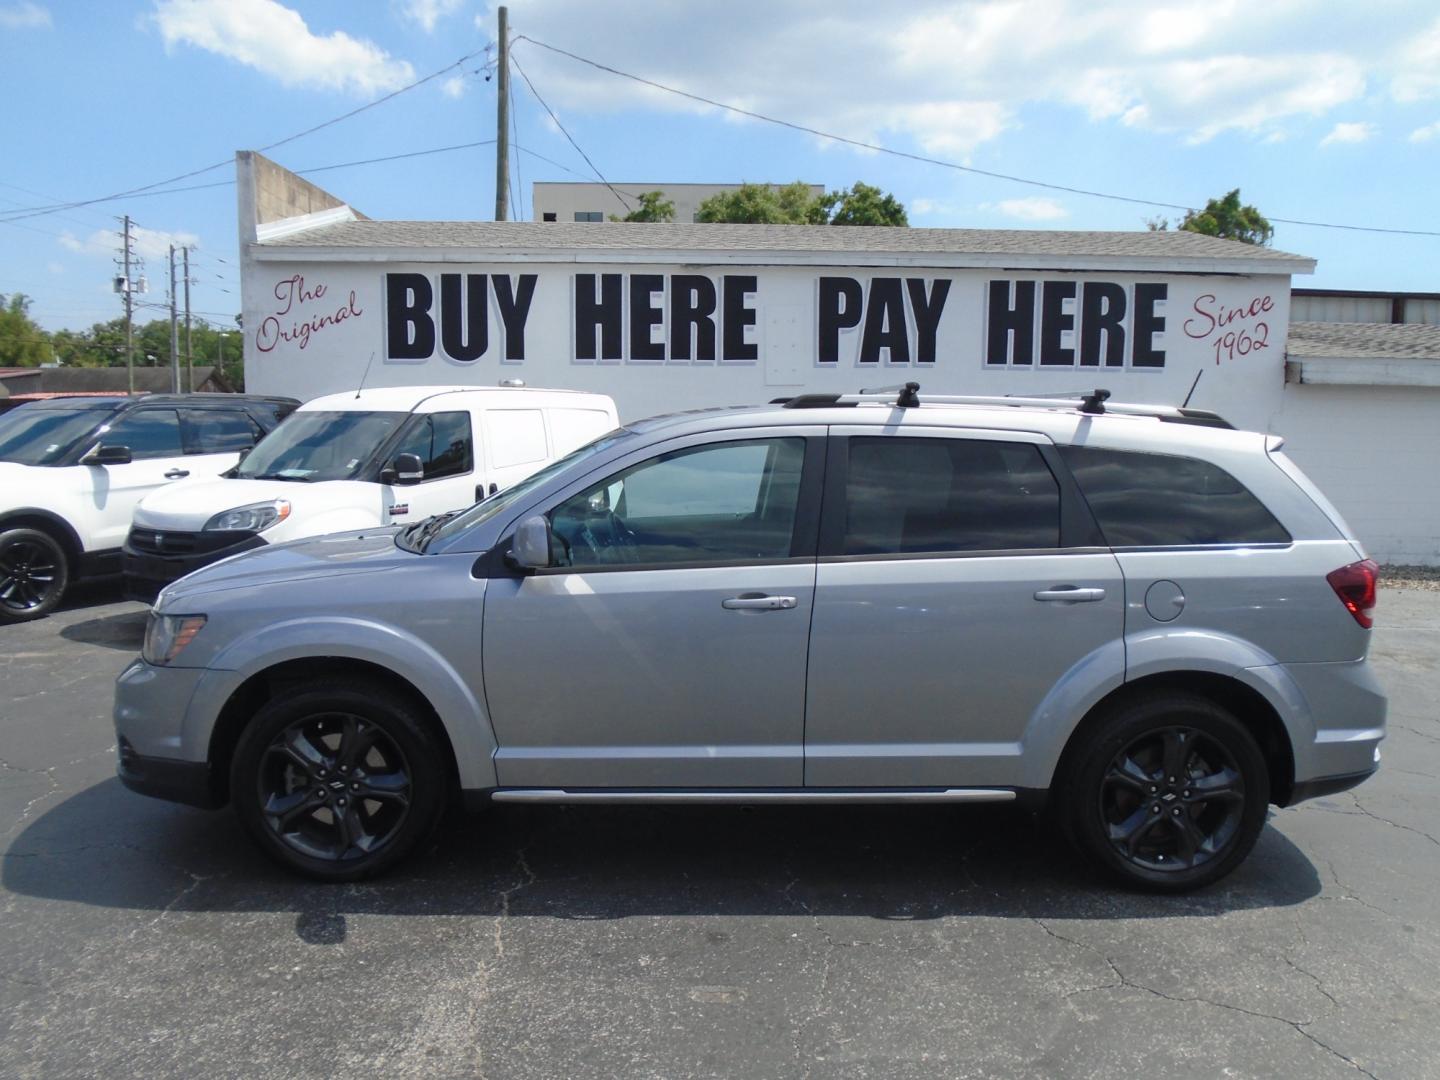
(314, 446)
(44, 436)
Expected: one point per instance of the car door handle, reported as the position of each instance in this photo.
(176, 474)
(755, 602)
(1070, 594)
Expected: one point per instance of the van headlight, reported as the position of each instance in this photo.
(257, 517)
(167, 635)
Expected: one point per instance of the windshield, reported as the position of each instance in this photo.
(43, 436)
(495, 504)
(313, 446)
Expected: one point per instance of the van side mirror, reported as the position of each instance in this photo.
(404, 469)
(530, 549)
(107, 455)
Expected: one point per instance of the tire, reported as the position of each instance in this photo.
(338, 780)
(1166, 829)
(34, 572)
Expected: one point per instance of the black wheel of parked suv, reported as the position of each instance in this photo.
(338, 780)
(33, 574)
(1168, 792)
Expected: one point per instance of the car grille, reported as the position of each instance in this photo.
(160, 542)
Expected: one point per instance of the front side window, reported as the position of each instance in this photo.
(315, 446)
(726, 502)
(442, 442)
(149, 433)
(1161, 500)
(913, 496)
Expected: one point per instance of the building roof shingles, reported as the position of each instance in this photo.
(1348, 341)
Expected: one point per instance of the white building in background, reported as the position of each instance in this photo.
(561, 202)
(677, 316)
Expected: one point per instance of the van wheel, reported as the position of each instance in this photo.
(1169, 794)
(33, 574)
(338, 781)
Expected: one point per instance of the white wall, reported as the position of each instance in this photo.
(1375, 452)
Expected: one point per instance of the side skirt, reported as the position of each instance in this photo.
(753, 796)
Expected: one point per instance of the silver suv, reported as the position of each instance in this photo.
(1144, 620)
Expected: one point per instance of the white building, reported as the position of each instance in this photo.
(676, 316)
(586, 202)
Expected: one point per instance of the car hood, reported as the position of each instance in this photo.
(188, 505)
(365, 551)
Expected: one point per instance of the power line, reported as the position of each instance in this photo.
(877, 148)
(624, 201)
(38, 211)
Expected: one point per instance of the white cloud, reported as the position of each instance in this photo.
(1036, 208)
(454, 86)
(24, 16)
(428, 12)
(1426, 133)
(147, 243)
(1349, 132)
(1417, 67)
(274, 40)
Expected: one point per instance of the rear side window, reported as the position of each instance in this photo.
(219, 431)
(1160, 500)
(909, 496)
(517, 437)
(442, 442)
(149, 433)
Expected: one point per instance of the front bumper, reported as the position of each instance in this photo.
(152, 559)
(187, 782)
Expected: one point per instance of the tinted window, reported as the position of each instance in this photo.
(720, 503)
(149, 433)
(442, 442)
(920, 495)
(1158, 500)
(219, 431)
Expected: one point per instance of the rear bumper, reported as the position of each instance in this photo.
(148, 567)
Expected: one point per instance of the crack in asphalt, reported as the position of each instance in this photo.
(528, 878)
(1123, 981)
(1393, 824)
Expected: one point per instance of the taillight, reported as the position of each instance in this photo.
(1355, 586)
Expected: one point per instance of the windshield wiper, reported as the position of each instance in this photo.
(276, 476)
(429, 527)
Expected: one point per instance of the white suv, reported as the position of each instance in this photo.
(73, 468)
(356, 460)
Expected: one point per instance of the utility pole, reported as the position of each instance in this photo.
(174, 331)
(129, 311)
(189, 360)
(502, 122)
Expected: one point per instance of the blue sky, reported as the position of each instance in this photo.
(1317, 111)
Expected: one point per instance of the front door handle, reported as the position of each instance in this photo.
(176, 474)
(1070, 594)
(756, 602)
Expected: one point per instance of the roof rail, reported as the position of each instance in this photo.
(1095, 403)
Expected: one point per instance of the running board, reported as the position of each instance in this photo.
(792, 795)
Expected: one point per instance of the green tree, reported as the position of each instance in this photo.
(795, 204)
(22, 342)
(865, 205)
(1227, 218)
(653, 207)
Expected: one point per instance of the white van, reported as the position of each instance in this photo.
(356, 460)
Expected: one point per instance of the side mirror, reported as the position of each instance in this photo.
(407, 468)
(531, 547)
(107, 455)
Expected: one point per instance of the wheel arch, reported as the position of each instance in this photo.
(51, 523)
(1242, 698)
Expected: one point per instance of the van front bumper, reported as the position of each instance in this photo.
(153, 558)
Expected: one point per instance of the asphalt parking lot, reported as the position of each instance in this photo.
(145, 939)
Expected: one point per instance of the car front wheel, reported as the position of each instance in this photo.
(33, 574)
(338, 781)
(1169, 793)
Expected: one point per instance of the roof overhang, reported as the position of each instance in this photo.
(1363, 371)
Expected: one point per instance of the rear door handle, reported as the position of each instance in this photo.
(176, 474)
(1070, 594)
(756, 602)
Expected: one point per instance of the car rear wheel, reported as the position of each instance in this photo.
(1169, 793)
(338, 781)
(33, 574)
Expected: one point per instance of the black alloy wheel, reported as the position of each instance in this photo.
(1169, 792)
(338, 782)
(33, 574)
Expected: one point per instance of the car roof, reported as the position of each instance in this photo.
(409, 398)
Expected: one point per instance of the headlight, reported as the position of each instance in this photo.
(167, 635)
(257, 517)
